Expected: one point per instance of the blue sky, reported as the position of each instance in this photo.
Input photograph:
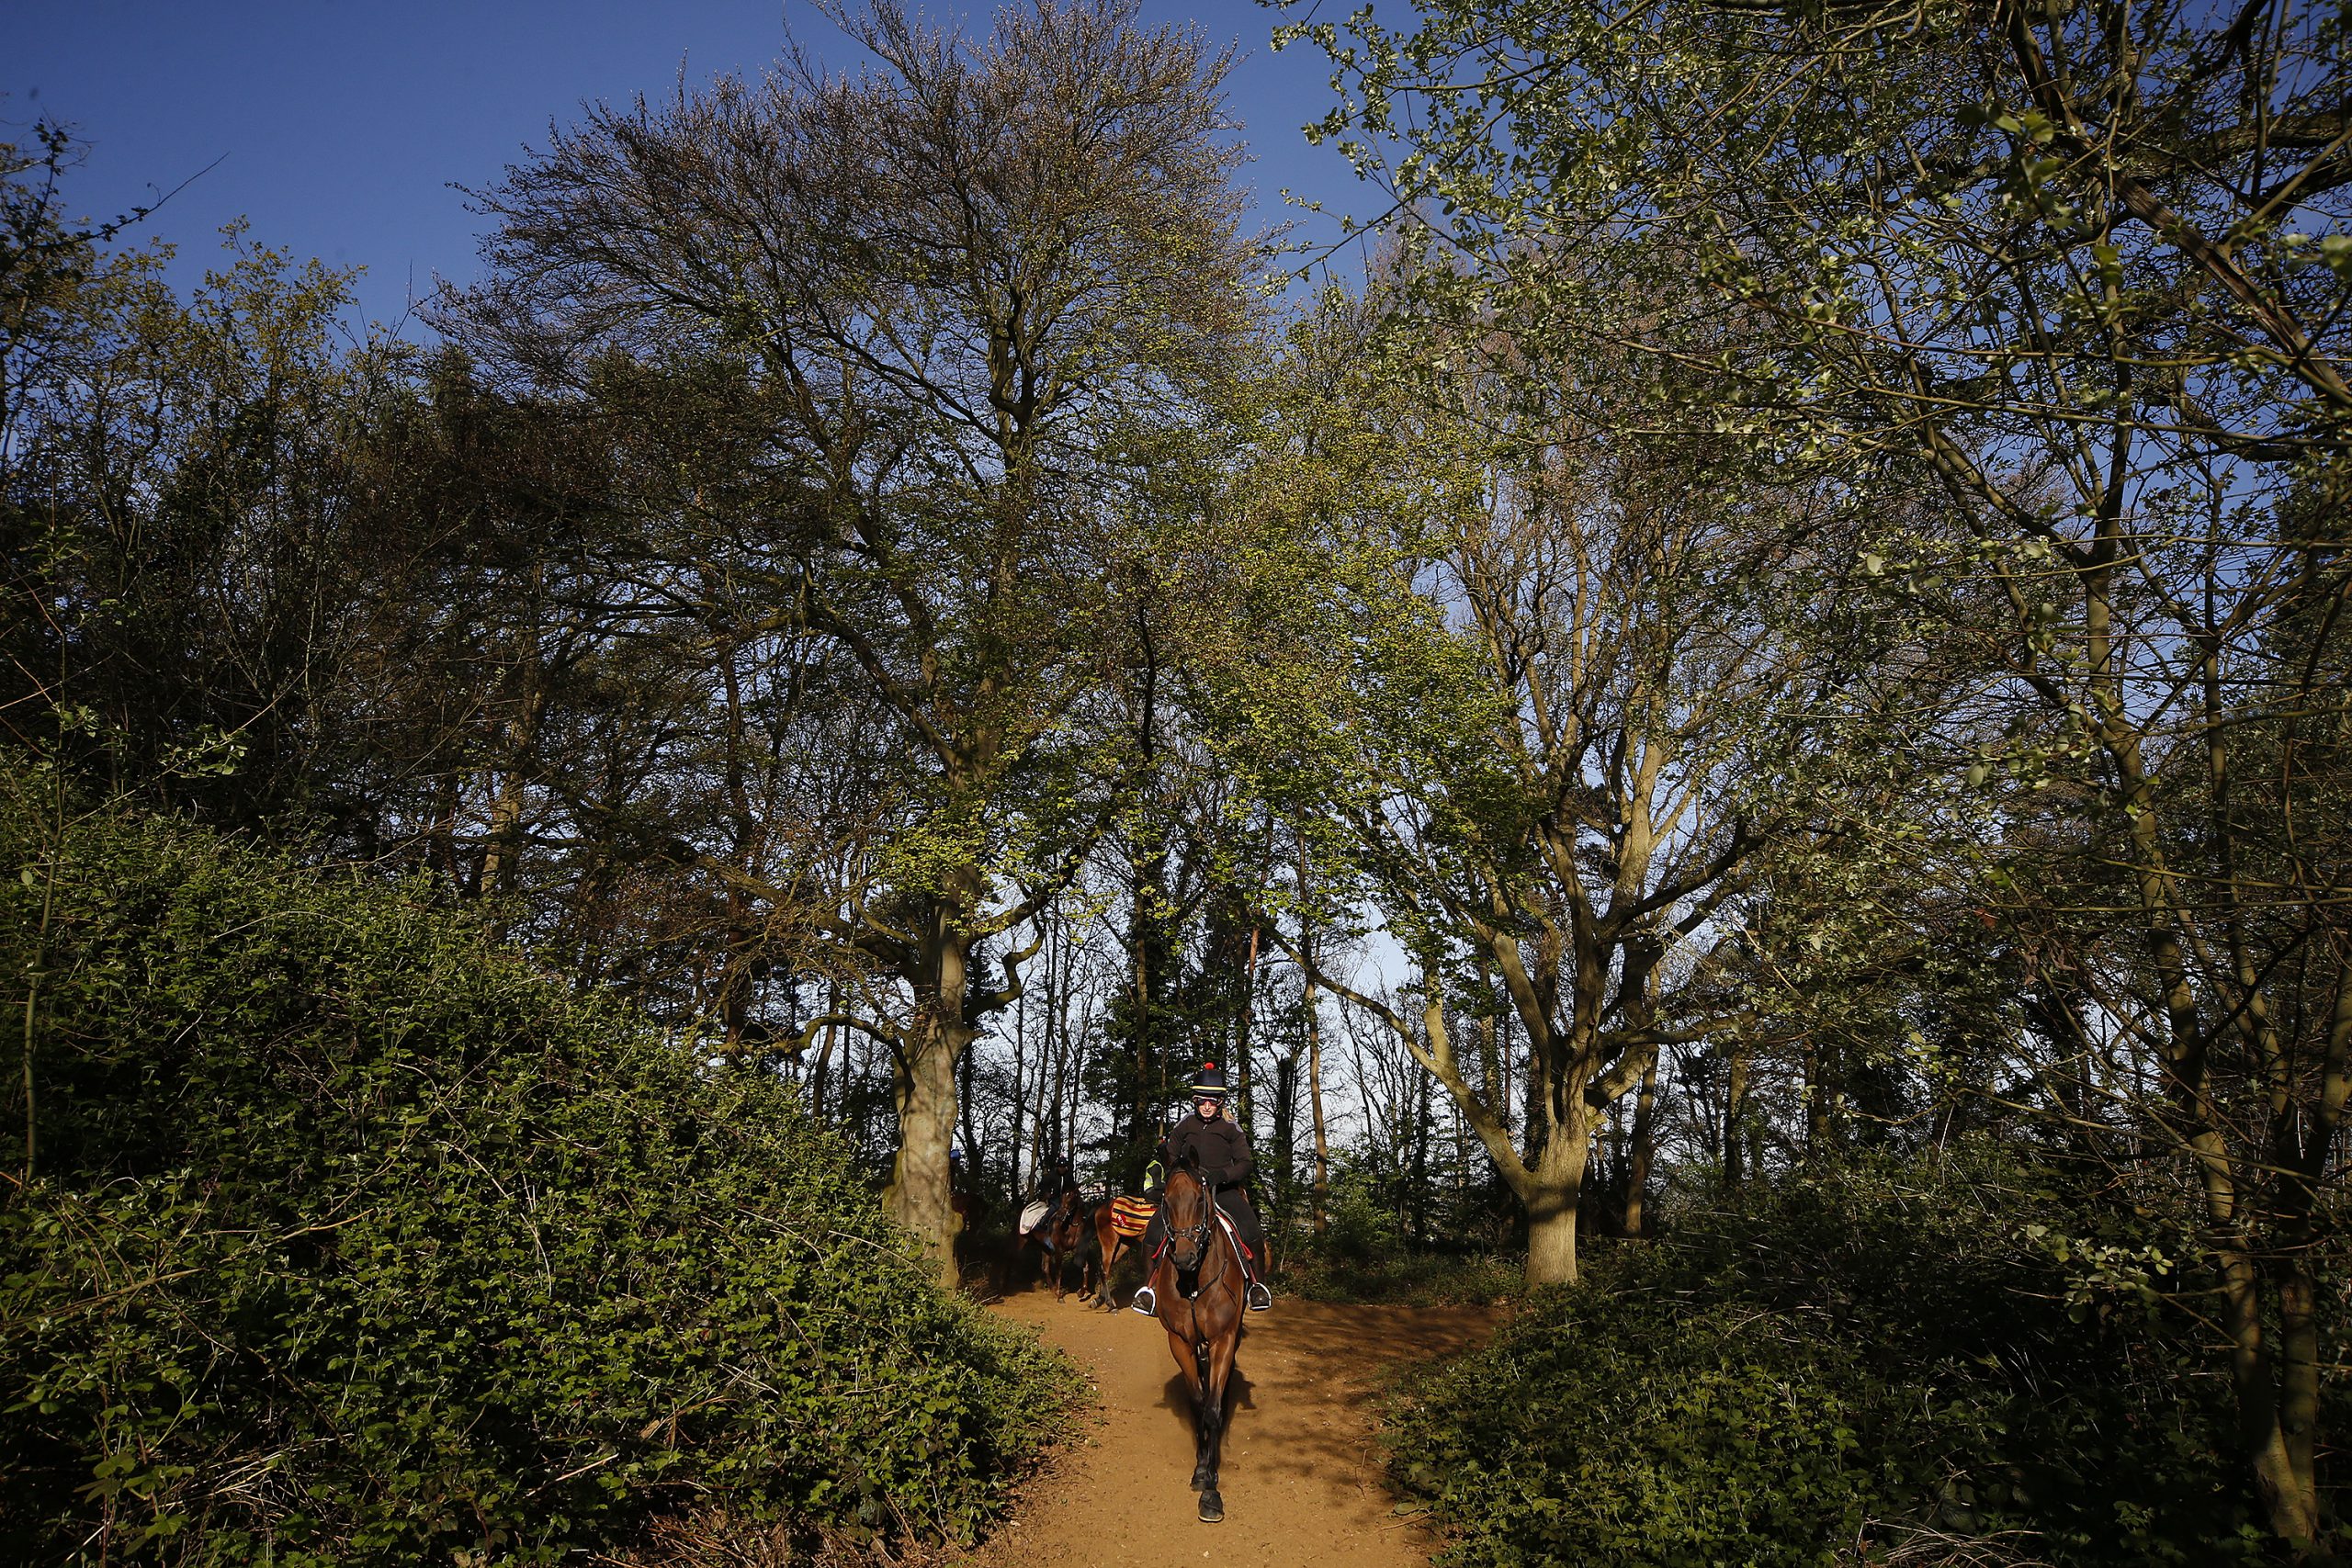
(339, 128)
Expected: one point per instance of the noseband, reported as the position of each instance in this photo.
(1197, 1235)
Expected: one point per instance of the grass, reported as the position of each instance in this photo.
(1425, 1279)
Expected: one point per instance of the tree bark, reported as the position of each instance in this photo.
(1554, 1193)
(919, 1191)
(927, 1055)
(1817, 1103)
(1319, 1194)
(824, 1058)
(1637, 1173)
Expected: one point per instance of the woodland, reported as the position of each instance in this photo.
(1740, 737)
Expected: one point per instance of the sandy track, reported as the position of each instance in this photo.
(1301, 1478)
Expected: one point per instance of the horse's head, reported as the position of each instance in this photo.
(1189, 1211)
(1060, 1219)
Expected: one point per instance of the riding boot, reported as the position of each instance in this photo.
(1257, 1297)
(1237, 1205)
(1155, 1237)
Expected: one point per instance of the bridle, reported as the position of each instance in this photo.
(1196, 1237)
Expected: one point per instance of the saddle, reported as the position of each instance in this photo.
(1224, 1223)
(1240, 1249)
(1130, 1216)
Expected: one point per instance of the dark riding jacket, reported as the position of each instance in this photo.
(1220, 1148)
(1223, 1154)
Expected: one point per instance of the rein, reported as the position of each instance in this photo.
(1203, 1239)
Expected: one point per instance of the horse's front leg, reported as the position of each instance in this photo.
(1208, 1422)
(1223, 1339)
(1105, 1243)
(1190, 1366)
(1210, 1407)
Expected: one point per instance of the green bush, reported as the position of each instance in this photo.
(354, 1239)
(1365, 1256)
(1405, 1278)
(1864, 1359)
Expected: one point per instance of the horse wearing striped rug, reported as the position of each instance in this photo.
(1115, 1228)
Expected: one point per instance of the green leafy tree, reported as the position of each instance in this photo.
(945, 286)
(1559, 685)
(179, 501)
(2079, 273)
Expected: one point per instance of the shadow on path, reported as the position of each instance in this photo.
(1301, 1474)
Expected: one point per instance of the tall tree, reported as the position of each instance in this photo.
(949, 284)
(2079, 273)
(1559, 698)
(178, 502)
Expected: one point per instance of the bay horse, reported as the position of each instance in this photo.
(1105, 1245)
(1197, 1284)
(1058, 1236)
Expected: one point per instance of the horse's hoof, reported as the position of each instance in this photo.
(1211, 1508)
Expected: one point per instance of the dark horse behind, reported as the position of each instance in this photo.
(1059, 1237)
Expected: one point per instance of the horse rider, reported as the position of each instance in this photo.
(1058, 1182)
(1054, 1186)
(1222, 1150)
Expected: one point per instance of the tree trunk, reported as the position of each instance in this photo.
(2300, 1352)
(918, 1192)
(1416, 1186)
(1246, 1085)
(1146, 1111)
(1074, 1060)
(1614, 1161)
(503, 846)
(1735, 1112)
(1319, 1194)
(2287, 1498)
(824, 1059)
(923, 1077)
(1554, 1190)
(1817, 1103)
(1637, 1173)
(967, 1107)
(1020, 1100)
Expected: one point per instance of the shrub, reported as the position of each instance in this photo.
(1864, 1358)
(1364, 1255)
(354, 1239)
(1405, 1278)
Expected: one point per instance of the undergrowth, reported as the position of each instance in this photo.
(1885, 1362)
(1406, 1279)
(351, 1238)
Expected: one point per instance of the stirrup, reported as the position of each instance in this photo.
(1261, 1299)
(1144, 1301)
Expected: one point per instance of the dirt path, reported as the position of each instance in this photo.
(1301, 1479)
